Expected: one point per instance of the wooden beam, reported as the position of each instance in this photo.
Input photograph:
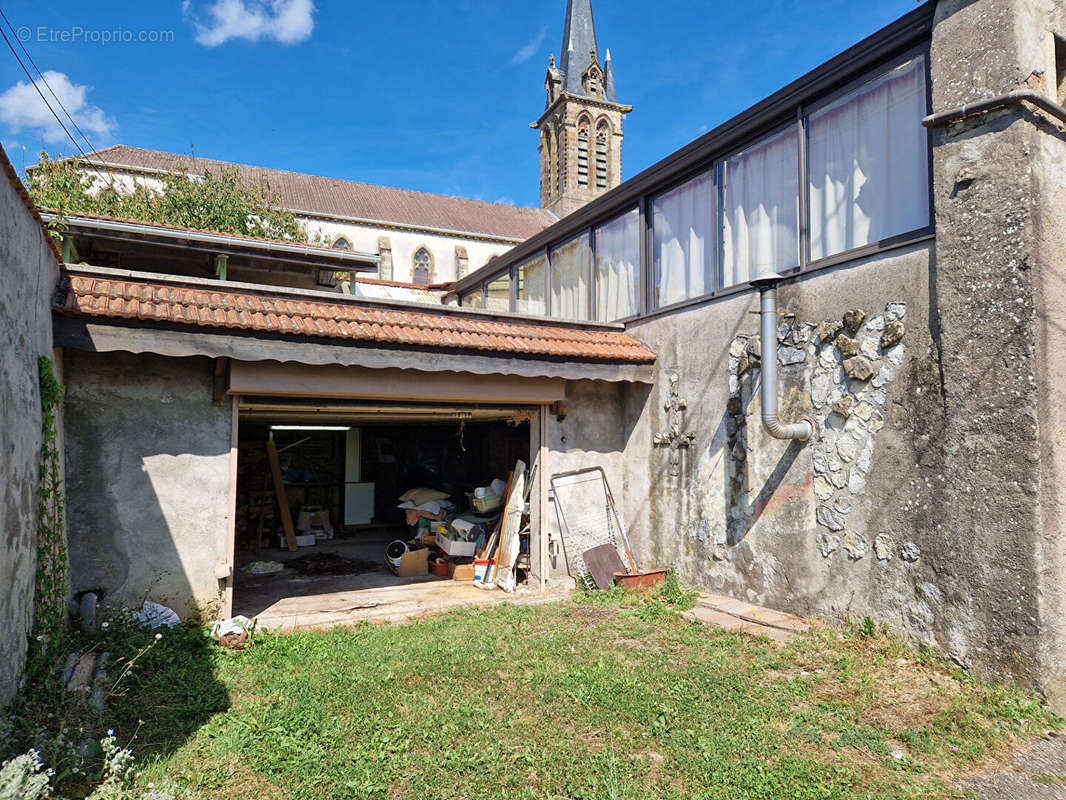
(283, 499)
(272, 379)
(221, 262)
(219, 392)
(231, 524)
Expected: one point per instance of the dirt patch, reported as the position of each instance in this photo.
(591, 616)
(330, 564)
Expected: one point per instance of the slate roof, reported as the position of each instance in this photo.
(333, 196)
(217, 307)
(579, 39)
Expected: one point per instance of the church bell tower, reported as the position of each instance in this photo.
(581, 127)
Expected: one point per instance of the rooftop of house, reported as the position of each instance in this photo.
(118, 295)
(333, 197)
(216, 241)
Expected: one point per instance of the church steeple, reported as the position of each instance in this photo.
(581, 127)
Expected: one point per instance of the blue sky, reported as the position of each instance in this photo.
(425, 94)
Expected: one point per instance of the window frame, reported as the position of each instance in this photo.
(907, 38)
(804, 112)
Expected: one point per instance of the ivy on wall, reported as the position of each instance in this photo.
(52, 565)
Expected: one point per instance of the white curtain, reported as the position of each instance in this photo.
(532, 287)
(570, 268)
(683, 241)
(498, 294)
(760, 209)
(867, 161)
(618, 268)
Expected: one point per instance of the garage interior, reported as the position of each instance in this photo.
(345, 468)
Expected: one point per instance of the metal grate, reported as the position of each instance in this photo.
(587, 518)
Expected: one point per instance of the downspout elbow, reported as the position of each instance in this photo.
(802, 430)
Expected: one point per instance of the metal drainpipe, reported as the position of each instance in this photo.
(804, 429)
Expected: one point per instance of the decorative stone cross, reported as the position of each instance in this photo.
(674, 438)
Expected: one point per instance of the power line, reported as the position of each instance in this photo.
(45, 81)
(43, 98)
(106, 174)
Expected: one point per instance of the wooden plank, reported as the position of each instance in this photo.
(283, 499)
(510, 524)
(231, 524)
(602, 563)
(219, 388)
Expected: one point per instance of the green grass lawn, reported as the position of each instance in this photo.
(619, 698)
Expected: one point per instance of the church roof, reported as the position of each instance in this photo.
(335, 197)
(579, 39)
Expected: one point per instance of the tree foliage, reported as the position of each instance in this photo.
(216, 202)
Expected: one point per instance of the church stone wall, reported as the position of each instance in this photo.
(406, 243)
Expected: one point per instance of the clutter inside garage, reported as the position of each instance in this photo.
(379, 496)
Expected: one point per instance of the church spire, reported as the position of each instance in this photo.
(579, 44)
(581, 127)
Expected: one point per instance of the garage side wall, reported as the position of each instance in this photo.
(592, 434)
(30, 270)
(148, 486)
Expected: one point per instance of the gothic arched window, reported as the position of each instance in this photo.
(422, 261)
(603, 134)
(583, 152)
(342, 244)
(592, 83)
(552, 162)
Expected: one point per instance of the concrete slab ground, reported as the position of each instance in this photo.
(287, 600)
(1036, 773)
(738, 615)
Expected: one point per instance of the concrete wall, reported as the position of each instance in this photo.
(593, 433)
(999, 185)
(738, 511)
(929, 497)
(30, 269)
(148, 479)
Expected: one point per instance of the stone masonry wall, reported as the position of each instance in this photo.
(929, 498)
(830, 527)
(30, 270)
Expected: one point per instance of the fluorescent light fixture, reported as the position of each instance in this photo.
(310, 427)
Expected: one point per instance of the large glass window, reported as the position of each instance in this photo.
(683, 241)
(475, 299)
(532, 277)
(868, 163)
(618, 268)
(498, 293)
(570, 268)
(760, 209)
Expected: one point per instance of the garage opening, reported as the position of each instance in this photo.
(390, 504)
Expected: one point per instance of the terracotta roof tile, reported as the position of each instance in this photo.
(211, 307)
(332, 196)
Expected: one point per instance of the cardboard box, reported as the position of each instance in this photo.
(461, 572)
(456, 548)
(413, 564)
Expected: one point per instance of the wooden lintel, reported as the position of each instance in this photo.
(219, 390)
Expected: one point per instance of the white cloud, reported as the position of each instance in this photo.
(286, 21)
(21, 108)
(530, 48)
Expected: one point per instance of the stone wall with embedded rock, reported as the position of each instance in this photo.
(816, 528)
(929, 497)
